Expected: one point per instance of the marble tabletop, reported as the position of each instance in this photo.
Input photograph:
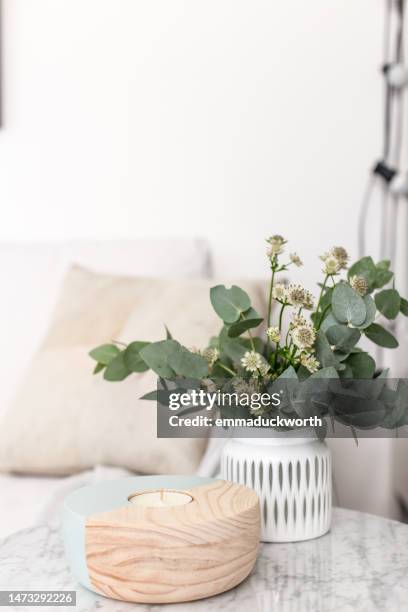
(361, 565)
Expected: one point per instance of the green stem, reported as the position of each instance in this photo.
(280, 328)
(321, 292)
(322, 317)
(270, 295)
(275, 357)
(227, 369)
(268, 340)
(251, 340)
(281, 315)
(294, 351)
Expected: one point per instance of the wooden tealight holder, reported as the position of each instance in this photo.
(161, 539)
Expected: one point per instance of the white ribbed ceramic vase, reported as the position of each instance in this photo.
(292, 477)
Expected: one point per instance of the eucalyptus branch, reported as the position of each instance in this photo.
(359, 300)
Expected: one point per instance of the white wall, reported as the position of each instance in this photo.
(230, 119)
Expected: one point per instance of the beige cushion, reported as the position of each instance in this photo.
(64, 419)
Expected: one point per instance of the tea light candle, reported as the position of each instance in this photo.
(171, 548)
(160, 499)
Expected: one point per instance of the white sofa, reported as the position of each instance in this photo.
(366, 478)
(32, 275)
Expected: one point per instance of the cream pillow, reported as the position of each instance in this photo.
(185, 308)
(64, 419)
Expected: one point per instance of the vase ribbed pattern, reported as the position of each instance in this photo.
(293, 481)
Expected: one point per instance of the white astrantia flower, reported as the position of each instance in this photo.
(309, 301)
(340, 254)
(298, 319)
(273, 334)
(295, 295)
(245, 390)
(295, 259)
(211, 355)
(274, 249)
(258, 411)
(279, 292)
(276, 244)
(241, 386)
(276, 239)
(210, 386)
(309, 362)
(331, 265)
(359, 284)
(303, 336)
(251, 361)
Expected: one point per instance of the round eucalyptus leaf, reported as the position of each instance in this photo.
(384, 264)
(303, 373)
(133, 360)
(382, 277)
(371, 310)
(251, 319)
(343, 338)
(116, 370)
(189, 365)
(324, 353)
(233, 349)
(98, 368)
(105, 353)
(395, 407)
(158, 356)
(388, 302)
(363, 413)
(347, 306)
(342, 356)
(347, 372)
(381, 336)
(362, 365)
(229, 304)
(328, 322)
(290, 373)
(329, 372)
(404, 306)
(364, 267)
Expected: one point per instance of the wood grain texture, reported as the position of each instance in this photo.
(165, 555)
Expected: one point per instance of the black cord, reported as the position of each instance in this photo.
(387, 168)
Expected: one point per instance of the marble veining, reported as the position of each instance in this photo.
(361, 565)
